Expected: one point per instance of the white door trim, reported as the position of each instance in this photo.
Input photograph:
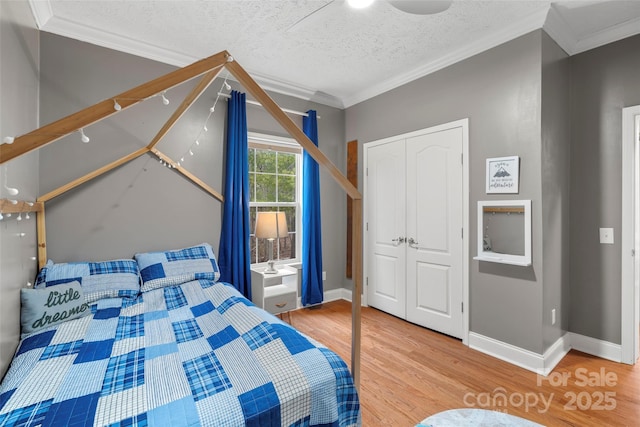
(464, 124)
(630, 296)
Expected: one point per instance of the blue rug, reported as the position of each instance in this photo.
(476, 418)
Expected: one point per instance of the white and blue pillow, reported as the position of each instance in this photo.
(105, 279)
(170, 268)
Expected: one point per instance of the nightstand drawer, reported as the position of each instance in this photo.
(280, 303)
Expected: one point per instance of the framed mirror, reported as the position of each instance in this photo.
(504, 232)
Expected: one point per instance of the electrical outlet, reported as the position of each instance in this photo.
(553, 316)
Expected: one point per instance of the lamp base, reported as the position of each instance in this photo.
(270, 268)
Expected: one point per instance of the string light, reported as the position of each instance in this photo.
(84, 137)
(1, 216)
(196, 143)
(8, 139)
(116, 106)
(165, 101)
(19, 217)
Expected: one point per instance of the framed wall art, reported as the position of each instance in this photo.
(503, 175)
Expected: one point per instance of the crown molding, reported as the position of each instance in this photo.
(608, 35)
(558, 29)
(46, 21)
(548, 19)
(42, 12)
(509, 32)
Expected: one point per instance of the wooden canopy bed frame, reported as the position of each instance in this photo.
(209, 68)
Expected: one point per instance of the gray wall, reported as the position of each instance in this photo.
(500, 92)
(19, 68)
(604, 81)
(555, 175)
(144, 205)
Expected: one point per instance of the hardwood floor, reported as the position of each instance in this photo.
(409, 372)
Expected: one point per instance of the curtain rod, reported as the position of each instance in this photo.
(256, 103)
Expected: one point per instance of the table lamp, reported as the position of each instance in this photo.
(271, 226)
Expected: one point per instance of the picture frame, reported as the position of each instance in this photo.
(503, 175)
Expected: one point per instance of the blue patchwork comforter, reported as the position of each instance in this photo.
(188, 355)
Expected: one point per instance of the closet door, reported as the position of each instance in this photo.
(385, 206)
(434, 230)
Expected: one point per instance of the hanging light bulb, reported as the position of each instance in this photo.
(13, 202)
(212, 109)
(19, 217)
(165, 101)
(116, 106)
(197, 142)
(27, 216)
(227, 86)
(84, 137)
(1, 217)
(8, 139)
(10, 190)
(182, 159)
(190, 152)
(205, 128)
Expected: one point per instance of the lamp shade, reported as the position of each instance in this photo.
(270, 225)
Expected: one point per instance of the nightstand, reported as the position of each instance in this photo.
(277, 292)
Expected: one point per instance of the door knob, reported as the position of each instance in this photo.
(398, 241)
(413, 243)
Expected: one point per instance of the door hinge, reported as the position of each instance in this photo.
(366, 281)
(367, 172)
(461, 159)
(633, 252)
(462, 307)
(367, 226)
(462, 232)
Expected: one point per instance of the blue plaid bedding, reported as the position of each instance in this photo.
(198, 354)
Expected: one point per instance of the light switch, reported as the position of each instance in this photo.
(606, 235)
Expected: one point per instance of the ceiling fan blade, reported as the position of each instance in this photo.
(322, 12)
(421, 7)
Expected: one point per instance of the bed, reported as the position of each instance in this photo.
(158, 340)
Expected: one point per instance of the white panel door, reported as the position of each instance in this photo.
(385, 207)
(434, 230)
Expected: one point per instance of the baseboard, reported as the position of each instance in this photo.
(541, 364)
(596, 347)
(333, 295)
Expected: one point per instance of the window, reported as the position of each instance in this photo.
(275, 166)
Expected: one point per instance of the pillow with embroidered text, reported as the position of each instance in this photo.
(46, 307)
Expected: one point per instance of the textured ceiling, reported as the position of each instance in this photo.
(337, 56)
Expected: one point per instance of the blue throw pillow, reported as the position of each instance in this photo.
(169, 268)
(43, 308)
(105, 279)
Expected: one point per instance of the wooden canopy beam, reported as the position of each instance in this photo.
(83, 118)
(200, 183)
(19, 206)
(91, 175)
